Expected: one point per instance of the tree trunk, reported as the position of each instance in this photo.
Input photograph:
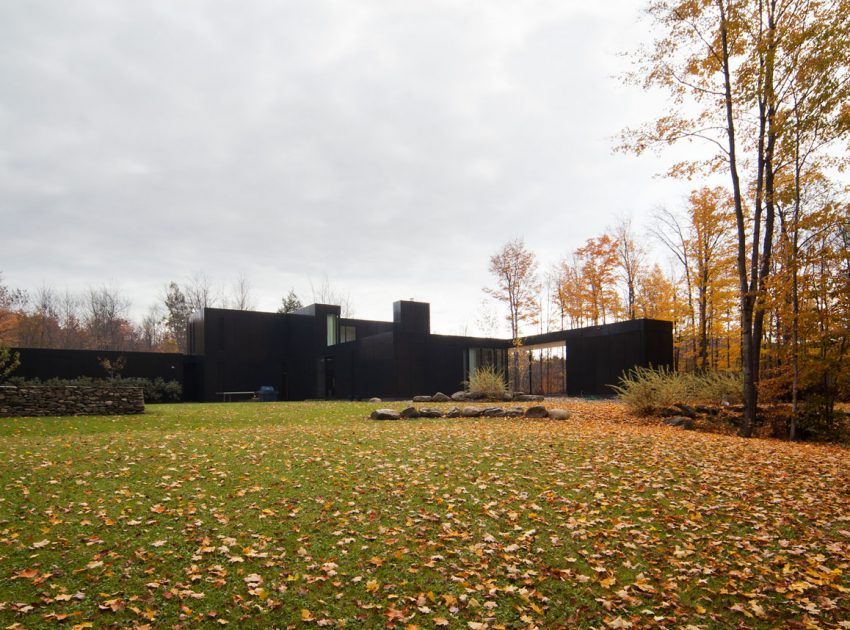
(747, 347)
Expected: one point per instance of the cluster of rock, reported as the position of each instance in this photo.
(478, 396)
(684, 416)
(536, 411)
(70, 401)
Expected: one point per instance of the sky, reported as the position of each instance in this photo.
(387, 147)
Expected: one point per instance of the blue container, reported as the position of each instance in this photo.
(266, 393)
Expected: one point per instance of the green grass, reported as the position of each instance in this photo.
(304, 514)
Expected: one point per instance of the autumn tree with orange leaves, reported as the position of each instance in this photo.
(515, 269)
(743, 74)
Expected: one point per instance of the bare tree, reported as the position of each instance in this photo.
(106, 318)
(487, 322)
(241, 298)
(39, 327)
(72, 334)
(200, 292)
(151, 331)
(325, 293)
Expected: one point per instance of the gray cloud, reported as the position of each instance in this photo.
(390, 146)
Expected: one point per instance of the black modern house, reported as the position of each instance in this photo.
(314, 353)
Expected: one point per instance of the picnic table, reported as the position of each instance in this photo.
(228, 396)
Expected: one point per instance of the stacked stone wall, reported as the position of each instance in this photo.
(70, 401)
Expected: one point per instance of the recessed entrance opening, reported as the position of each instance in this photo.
(539, 369)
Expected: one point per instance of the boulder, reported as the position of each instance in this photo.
(440, 397)
(470, 412)
(514, 412)
(686, 410)
(453, 412)
(493, 412)
(459, 396)
(375, 400)
(385, 414)
(430, 412)
(669, 412)
(537, 411)
(559, 414)
(422, 399)
(409, 412)
(680, 421)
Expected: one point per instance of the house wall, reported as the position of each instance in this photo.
(244, 350)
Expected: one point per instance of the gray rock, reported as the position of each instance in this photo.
(422, 399)
(409, 412)
(737, 421)
(514, 412)
(669, 412)
(459, 396)
(385, 414)
(430, 412)
(470, 412)
(440, 397)
(453, 412)
(559, 414)
(537, 411)
(375, 400)
(528, 398)
(686, 410)
(493, 412)
(680, 421)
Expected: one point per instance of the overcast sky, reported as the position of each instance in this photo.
(391, 146)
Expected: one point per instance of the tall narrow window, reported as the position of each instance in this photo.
(347, 333)
(333, 329)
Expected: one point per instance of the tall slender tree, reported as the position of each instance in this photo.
(735, 69)
(515, 269)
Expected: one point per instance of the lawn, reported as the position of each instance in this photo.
(305, 514)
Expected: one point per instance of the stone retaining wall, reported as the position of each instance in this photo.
(70, 401)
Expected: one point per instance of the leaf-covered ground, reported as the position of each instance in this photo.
(305, 514)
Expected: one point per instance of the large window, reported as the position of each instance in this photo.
(474, 358)
(347, 333)
(333, 329)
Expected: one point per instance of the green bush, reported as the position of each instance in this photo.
(488, 381)
(155, 390)
(646, 390)
(9, 362)
(818, 420)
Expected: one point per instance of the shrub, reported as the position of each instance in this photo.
(646, 390)
(488, 381)
(9, 362)
(716, 387)
(818, 420)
